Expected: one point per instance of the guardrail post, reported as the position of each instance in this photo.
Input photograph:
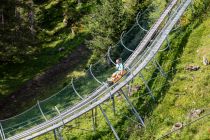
(150, 92)
(133, 108)
(41, 110)
(109, 123)
(2, 132)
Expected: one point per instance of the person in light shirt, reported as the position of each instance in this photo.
(119, 67)
(117, 75)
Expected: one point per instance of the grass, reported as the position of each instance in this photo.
(186, 90)
(175, 96)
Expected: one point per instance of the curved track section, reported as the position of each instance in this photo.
(47, 120)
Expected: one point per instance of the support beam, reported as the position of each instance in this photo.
(133, 108)
(150, 92)
(41, 110)
(57, 134)
(109, 123)
(113, 105)
(54, 133)
(59, 130)
(130, 88)
(1, 135)
(93, 120)
(93, 117)
(59, 113)
(157, 65)
(2, 132)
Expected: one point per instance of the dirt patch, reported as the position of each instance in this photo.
(34, 89)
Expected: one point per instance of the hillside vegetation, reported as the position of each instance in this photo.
(181, 92)
(39, 37)
(97, 25)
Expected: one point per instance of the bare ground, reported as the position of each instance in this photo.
(36, 89)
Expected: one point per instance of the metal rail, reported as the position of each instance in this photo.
(101, 95)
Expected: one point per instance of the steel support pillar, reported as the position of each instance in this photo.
(109, 123)
(113, 105)
(130, 88)
(157, 65)
(133, 108)
(112, 98)
(57, 134)
(93, 116)
(93, 119)
(150, 92)
(2, 132)
(60, 137)
(54, 133)
(59, 113)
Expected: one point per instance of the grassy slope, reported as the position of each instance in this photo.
(187, 91)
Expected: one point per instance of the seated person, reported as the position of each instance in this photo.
(119, 73)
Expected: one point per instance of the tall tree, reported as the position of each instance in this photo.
(106, 23)
(16, 30)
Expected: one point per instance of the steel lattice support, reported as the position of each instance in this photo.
(59, 113)
(113, 104)
(150, 92)
(133, 108)
(94, 119)
(109, 123)
(157, 65)
(2, 132)
(57, 134)
(93, 113)
(130, 88)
